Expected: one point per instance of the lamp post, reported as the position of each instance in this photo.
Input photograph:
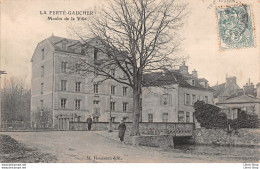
(110, 118)
(1, 72)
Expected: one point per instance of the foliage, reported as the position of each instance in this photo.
(244, 120)
(210, 116)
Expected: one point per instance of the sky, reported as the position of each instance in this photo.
(23, 27)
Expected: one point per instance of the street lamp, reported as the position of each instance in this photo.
(1, 72)
(110, 118)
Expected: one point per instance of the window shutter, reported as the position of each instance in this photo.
(185, 98)
(170, 99)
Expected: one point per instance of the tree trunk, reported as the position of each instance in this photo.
(136, 107)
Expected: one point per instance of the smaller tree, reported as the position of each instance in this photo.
(43, 118)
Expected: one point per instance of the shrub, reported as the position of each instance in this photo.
(210, 116)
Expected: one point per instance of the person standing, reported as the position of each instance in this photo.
(89, 121)
(121, 128)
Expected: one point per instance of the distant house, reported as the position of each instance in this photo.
(243, 99)
(224, 90)
(169, 96)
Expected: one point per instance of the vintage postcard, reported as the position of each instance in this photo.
(129, 81)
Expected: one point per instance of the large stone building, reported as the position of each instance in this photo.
(169, 96)
(70, 94)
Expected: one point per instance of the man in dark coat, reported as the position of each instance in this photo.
(89, 121)
(121, 128)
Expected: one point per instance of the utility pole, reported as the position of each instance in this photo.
(1, 72)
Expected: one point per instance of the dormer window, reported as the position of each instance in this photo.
(113, 72)
(64, 45)
(193, 82)
(206, 85)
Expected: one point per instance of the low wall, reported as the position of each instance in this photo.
(156, 128)
(244, 137)
(163, 141)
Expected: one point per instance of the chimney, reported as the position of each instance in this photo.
(249, 88)
(195, 73)
(258, 90)
(230, 81)
(184, 69)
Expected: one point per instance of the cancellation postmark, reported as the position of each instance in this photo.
(235, 26)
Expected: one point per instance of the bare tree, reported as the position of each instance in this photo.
(136, 36)
(16, 100)
(42, 118)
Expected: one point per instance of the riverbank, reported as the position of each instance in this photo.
(11, 151)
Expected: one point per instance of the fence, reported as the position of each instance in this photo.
(155, 128)
(20, 125)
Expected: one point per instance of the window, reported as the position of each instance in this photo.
(113, 88)
(77, 104)
(41, 103)
(64, 67)
(63, 85)
(193, 99)
(150, 118)
(96, 110)
(64, 45)
(165, 117)
(42, 71)
(95, 102)
(95, 88)
(42, 85)
(77, 69)
(181, 116)
(112, 106)
(125, 107)
(187, 117)
(206, 99)
(77, 87)
(113, 72)
(95, 55)
(42, 54)
(193, 82)
(124, 91)
(63, 103)
(113, 119)
(187, 99)
(165, 99)
(95, 119)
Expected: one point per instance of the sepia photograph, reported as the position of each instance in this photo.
(129, 81)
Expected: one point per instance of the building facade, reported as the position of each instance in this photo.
(68, 93)
(171, 95)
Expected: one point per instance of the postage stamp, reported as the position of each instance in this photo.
(235, 27)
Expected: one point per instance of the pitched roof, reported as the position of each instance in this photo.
(218, 89)
(72, 44)
(241, 99)
(170, 78)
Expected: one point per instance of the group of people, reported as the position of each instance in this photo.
(121, 128)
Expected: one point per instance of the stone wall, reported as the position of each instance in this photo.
(244, 137)
(144, 127)
(163, 141)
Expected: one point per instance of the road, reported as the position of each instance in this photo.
(88, 146)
